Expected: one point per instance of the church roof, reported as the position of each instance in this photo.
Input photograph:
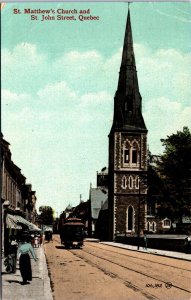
(128, 101)
(98, 196)
(68, 208)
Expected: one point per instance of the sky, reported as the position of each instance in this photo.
(58, 82)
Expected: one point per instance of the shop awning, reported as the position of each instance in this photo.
(11, 222)
(15, 222)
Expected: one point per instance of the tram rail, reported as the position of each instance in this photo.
(90, 254)
(131, 269)
(138, 258)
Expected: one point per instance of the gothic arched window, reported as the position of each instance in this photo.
(126, 156)
(124, 182)
(148, 226)
(137, 182)
(130, 182)
(134, 153)
(154, 226)
(166, 223)
(130, 154)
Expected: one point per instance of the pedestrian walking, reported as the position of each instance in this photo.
(36, 241)
(32, 239)
(145, 241)
(188, 245)
(11, 258)
(25, 248)
(48, 235)
(13, 252)
(40, 240)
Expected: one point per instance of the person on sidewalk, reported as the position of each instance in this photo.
(25, 248)
(40, 240)
(13, 252)
(145, 241)
(188, 245)
(36, 241)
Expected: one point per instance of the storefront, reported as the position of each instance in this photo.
(14, 225)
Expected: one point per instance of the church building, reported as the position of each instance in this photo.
(127, 187)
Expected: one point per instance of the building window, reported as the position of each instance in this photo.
(126, 156)
(130, 218)
(130, 182)
(166, 223)
(124, 182)
(134, 155)
(151, 226)
(130, 154)
(154, 227)
(148, 226)
(6, 189)
(137, 182)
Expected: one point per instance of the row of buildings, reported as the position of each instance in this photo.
(95, 213)
(18, 200)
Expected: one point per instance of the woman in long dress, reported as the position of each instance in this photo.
(24, 251)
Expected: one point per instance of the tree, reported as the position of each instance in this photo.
(46, 215)
(154, 183)
(174, 168)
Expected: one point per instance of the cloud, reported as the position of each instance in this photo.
(164, 72)
(24, 68)
(56, 97)
(23, 54)
(87, 70)
(57, 112)
(95, 99)
(164, 117)
(10, 98)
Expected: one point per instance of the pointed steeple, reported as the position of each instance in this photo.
(127, 102)
(128, 57)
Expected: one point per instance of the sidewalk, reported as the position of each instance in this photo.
(39, 288)
(172, 254)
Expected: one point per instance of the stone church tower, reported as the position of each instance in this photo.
(127, 150)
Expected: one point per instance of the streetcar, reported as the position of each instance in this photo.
(72, 233)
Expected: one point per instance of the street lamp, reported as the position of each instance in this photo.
(141, 180)
(139, 204)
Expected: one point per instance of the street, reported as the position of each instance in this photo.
(102, 272)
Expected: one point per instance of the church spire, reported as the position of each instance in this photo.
(128, 57)
(127, 102)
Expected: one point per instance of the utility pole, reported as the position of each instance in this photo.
(143, 180)
(139, 204)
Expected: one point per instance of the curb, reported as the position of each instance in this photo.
(148, 251)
